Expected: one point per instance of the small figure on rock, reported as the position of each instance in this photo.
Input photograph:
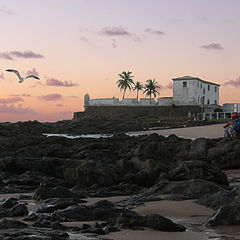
(228, 128)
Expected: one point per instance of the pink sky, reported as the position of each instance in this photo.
(80, 46)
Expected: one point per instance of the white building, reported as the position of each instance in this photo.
(231, 107)
(194, 91)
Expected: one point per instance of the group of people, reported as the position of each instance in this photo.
(232, 128)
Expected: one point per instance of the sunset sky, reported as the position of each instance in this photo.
(80, 46)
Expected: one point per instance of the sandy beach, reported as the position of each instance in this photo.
(209, 131)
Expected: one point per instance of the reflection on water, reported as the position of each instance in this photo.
(87, 135)
(130, 134)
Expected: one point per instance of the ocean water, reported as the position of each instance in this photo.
(87, 135)
(135, 134)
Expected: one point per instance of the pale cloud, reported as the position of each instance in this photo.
(234, 83)
(33, 72)
(10, 100)
(156, 32)
(213, 46)
(18, 54)
(6, 56)
(51, 97)
(37, 84)
(58, 83)
(6, 10)
(115, 31)
(16, 109)
(26, 95)
(26, 54)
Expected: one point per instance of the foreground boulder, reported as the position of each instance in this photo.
(226, 215)
(11, 223)
(130, 219)
(221, 198)
(44, 192)
(196, 169)
(19, 210)
(188, 189)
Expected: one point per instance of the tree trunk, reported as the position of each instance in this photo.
(124, 94)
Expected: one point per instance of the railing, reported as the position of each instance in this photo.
(214, 115)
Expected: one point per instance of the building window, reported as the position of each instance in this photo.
(184, 84)
(198, 84)
(198, 99)
(208, 87)
(201, 85)
(215, 89)
(215, 102)
(208, 101)
(204, 90)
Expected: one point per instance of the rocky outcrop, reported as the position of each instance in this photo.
(226, 215)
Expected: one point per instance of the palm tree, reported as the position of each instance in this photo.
(138, 87)
(125, 82)
(151, 88)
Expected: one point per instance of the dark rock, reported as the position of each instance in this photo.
(19, 210)
(4, 212)
(188, 189)
(221, 198)
(11, 223)
(58, 226)
(196, 169)
(8, 202)
(158, 222)
(44, 192)
(198, 149)
(101, 210)
(130, 219)
(226, 215)
(53, 204)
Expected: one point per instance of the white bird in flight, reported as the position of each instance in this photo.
(21, 79)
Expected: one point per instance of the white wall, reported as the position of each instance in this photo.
(185, 95)
(194, 92)
(231, 107)
(165, 101)
(103, 101)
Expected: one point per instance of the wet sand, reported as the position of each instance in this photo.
(209, 131)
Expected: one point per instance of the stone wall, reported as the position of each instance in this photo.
(131, 112)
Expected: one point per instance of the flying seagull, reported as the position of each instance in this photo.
(21, 79)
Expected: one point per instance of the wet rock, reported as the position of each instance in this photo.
(19, 210)
(11, 223)
(44, 192)
(102, 210)
(8, 202)
(188, 189)
(4, 212)
(226, 215)
(196, 169)
(161, 223)
(53, 204)
(221, 198)
(198, 149)
(130, 219)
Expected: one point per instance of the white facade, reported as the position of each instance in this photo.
(231, 107)
(186, 91)
(165, 101)
(194, 91)
(102, 102)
